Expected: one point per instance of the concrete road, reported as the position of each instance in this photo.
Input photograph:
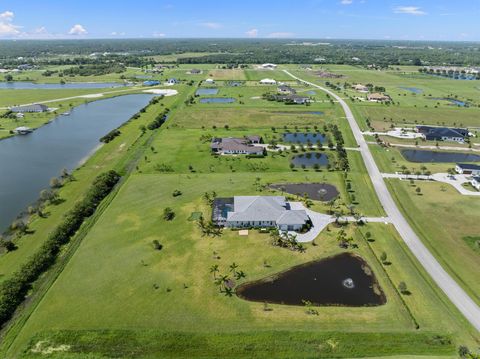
(454, 292)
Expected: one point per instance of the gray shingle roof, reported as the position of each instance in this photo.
(265, 208)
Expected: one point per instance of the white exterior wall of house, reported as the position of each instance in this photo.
(475, 183)
(473, 172)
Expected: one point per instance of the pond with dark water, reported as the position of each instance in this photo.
(420, 156)
(206, 91)
(316, 191)
(415, 90)
(310, 159)
(217, 100)
(303, 138)
(342, 280)
(453, 101)
(29, 162)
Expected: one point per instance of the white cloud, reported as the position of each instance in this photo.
(6, 26)
(40, 30)
(7, 16)
(252, 33)
(116, 33)
(78, 30)
(410, 10)
(280, 35)
(346, 2)
(211, 25)
(159, 34)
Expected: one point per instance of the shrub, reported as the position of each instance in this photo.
(168, 214)
(157, 245)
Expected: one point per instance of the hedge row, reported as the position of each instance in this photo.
(110, 136)
(159, 120)
(14, 290)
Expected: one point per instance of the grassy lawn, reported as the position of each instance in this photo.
(126, 284)
(446, 221)
(164, 303)
(114, 155)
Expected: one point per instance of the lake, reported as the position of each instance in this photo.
(451, 100)
(20, 85)
(316, 191)
(217, 100)
(29, 162)
(310, 159)
(415, 90)
(206, 91)
(420, 156)
(303, 138)
(342, 280)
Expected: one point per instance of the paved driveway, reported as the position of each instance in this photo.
(319, 221)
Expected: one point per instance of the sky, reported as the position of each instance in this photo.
(313, 19)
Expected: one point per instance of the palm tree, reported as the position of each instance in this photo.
(233, 267)
(214, 270)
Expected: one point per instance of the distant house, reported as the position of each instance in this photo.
(210, 81)
(151, 83)
(431, 133)
(262, 212)
(237, 146)
(268, 66)
(378, 97)
(292, 99)
(22, 130)
(284, 89)
(19, 115)
(467, 169)
(361, 88)
(30, 108)
(268, 82)
(172, 81)
(24, 67)
(476, 182)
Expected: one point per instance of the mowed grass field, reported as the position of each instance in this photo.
(119, 297)
(448, 224)
(126, 284)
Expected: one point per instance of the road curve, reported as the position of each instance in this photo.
(454, 292)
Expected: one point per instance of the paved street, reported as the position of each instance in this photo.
(453, 291)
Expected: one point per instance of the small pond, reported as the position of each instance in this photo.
(439, 157)
(20, 85)
(311, 92)
(306, 137)
(206, 91)
(342, 280)
(217, 100)
(316, 191)
(451, 100)
(309, 159)
(415, 90)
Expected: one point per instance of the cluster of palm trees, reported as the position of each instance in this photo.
(208, 228)
(226, 282)
(343, 240)
(286, 240)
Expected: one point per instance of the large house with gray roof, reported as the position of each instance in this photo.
(237, 146)
(259, 212)
(432, 133)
